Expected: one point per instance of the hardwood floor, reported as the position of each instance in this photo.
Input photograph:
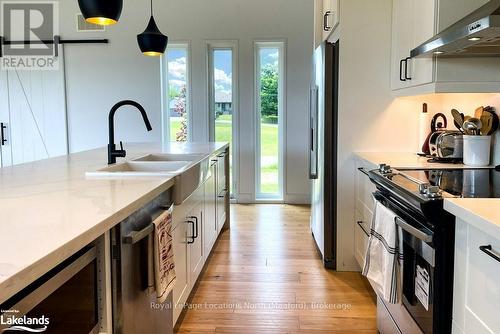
(265, 276)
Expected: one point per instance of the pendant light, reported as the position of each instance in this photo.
(151, 41)
(101, 12)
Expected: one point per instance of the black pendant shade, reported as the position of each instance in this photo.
(102, 12)
(151, 41)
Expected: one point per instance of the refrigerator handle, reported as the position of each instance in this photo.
(313, 128)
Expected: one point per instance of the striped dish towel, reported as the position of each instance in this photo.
(384, 255)
(164, 255)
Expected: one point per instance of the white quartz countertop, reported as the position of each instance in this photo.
(404, 160)
(49, 209)
(482, 213)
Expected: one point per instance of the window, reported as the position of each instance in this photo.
(223, 105)
(270, 61)
(176, 93)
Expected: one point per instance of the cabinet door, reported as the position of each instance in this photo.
(402, 41)
(181, 286)
(318, 22)
(210, 217)
(195, 251)
(222, 191)
(424, 27)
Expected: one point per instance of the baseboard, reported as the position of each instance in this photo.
(298, 199)
(289, 199)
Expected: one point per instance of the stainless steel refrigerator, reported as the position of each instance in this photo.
(323, 150)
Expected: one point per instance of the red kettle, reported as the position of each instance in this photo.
(435, 126)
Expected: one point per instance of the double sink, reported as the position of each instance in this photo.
(188, 170)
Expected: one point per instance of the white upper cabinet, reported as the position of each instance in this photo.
(331, 17)
(414, 22)
(326, 19)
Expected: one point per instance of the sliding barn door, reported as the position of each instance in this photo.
(37, 114)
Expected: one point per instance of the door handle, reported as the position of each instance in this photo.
(193, 230)
(401, 62)
(414, 231)
(325, 21)
(2, 134)
(407, 77)
(488, 249)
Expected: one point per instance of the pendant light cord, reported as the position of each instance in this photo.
(151, 7)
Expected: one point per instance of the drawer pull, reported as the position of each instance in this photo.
(360, 223)
(489, 251)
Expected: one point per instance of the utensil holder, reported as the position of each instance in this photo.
(477, 150)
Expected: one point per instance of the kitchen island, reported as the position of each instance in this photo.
(50, 209)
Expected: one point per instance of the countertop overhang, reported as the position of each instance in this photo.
(50, 209)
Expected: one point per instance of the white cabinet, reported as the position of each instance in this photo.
(414, 22)
(197, 223)
(210, 217)
(222, 190)
(181, 287)
(331, 17)
(476, 289)
(364, 206)
(196, 253)
(326, 19)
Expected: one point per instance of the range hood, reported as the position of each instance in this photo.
(476, 35)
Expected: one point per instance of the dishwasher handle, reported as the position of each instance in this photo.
(414, 231)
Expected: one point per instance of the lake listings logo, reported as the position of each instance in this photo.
(28, 30)
(11, 322)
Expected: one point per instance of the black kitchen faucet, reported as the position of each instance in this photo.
(113, 153)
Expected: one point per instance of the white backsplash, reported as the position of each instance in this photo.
(465, 103)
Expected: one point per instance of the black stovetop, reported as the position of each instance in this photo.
(465, 183)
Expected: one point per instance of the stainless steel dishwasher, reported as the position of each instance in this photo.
(135, 307)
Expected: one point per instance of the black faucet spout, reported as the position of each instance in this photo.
(113, 153)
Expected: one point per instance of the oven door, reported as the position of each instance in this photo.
(418, 275)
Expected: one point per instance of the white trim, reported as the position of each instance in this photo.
(232, 45)
(281, 45)
(165, 103)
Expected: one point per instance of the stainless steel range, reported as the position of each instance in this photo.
(416, 196)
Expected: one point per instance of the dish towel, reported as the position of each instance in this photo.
(384, 255)
(164, 266)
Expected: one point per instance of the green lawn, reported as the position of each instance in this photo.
(269, 140)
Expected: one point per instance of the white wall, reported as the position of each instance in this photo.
(100, 75)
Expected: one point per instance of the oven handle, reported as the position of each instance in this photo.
(413, 231)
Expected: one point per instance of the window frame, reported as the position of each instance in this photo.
(212, 45)
(165, 99)
(281, 45)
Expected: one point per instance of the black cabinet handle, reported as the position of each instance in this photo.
(489, 251)
(192, 229)
(325, 21)
(401, 62)
(2, 134)
(407, 77)
(195, 226)
(360, 223)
